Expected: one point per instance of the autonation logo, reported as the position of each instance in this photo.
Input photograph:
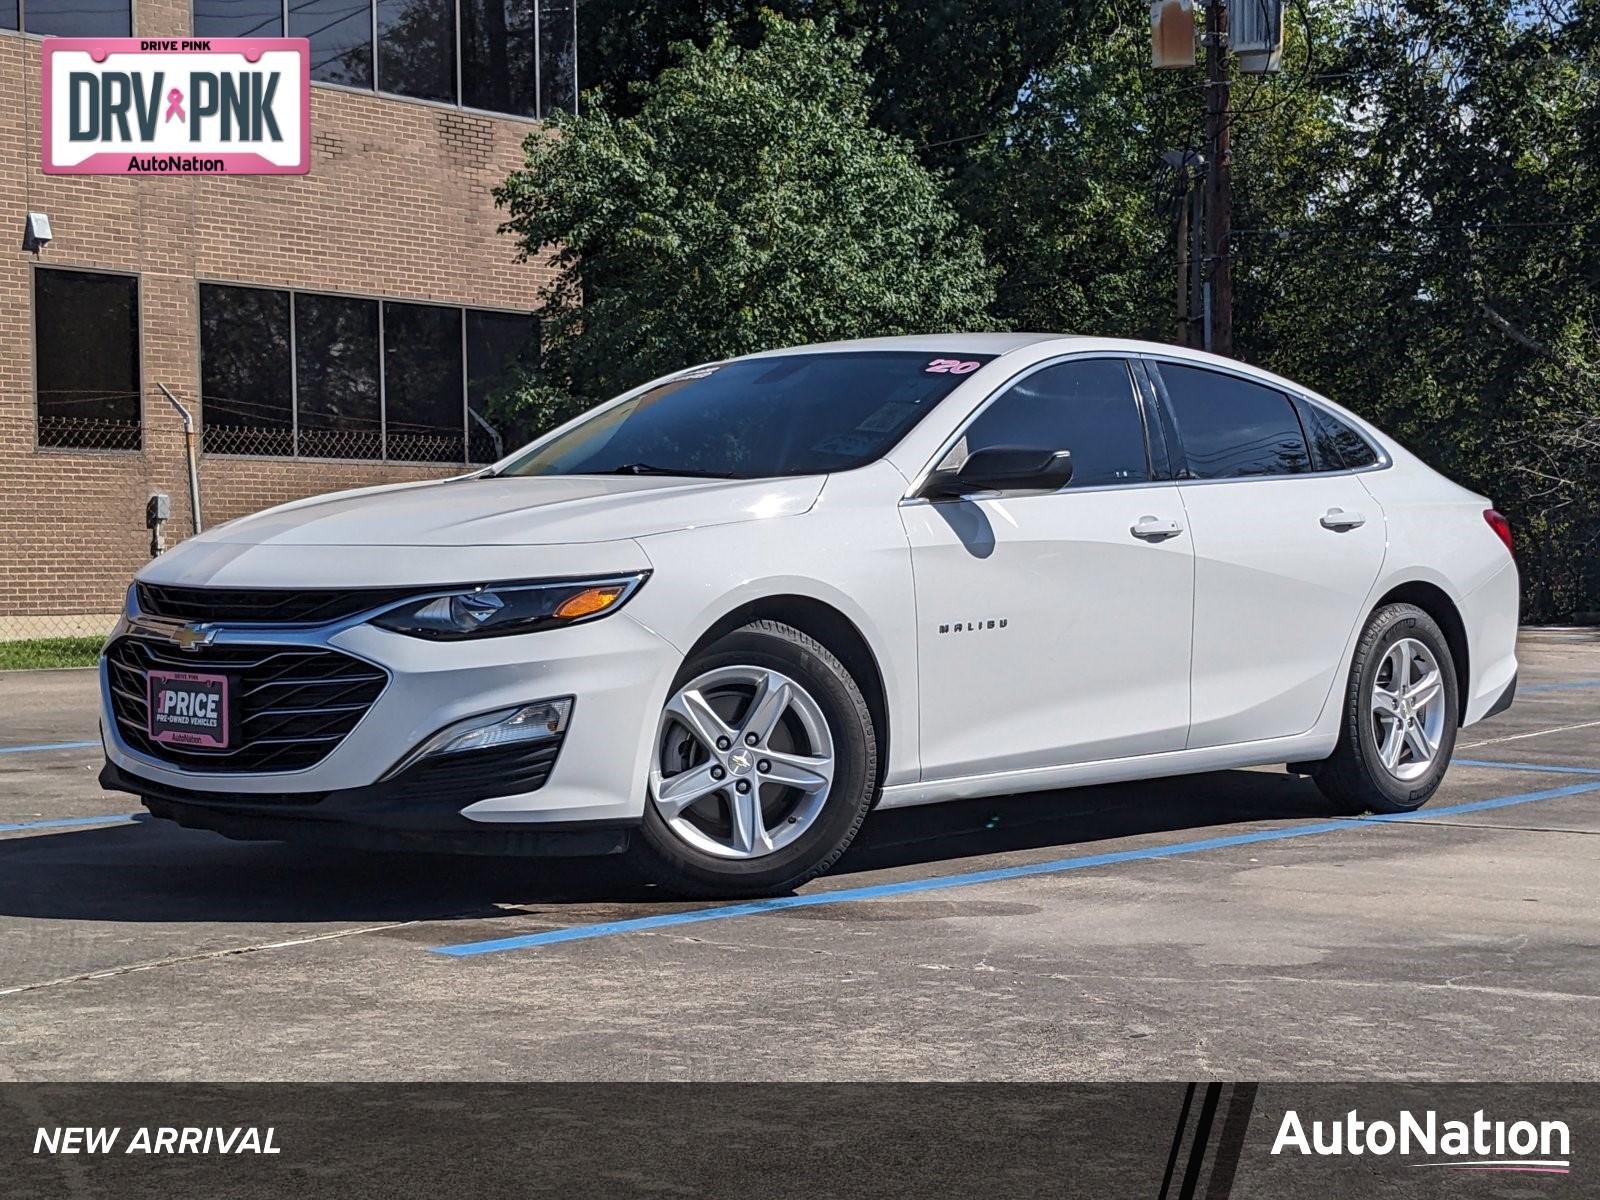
(1479, 1144)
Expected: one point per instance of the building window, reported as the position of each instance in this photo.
(246, 370)
(317, 376)
(507, 56)
(500, 347)
(499, 53)
(340, 32)
(423, 383)
(417, 48)
(558, 56)
(338, 390)
(86, 359)
(238, 18)
(69, 18)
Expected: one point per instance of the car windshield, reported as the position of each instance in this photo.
(790, 414)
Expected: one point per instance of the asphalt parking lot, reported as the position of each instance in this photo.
(1218, 926)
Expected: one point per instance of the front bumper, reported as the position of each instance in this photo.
(380, 817)
(617, 670)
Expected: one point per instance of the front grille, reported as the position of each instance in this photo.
(295, 703)
(479, 774)
(265, 606)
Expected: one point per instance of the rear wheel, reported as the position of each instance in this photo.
(1401, 713)
(763, 767)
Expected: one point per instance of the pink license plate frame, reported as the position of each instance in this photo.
(175, 699)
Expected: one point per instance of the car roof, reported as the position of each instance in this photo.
(930, 343)
(1066, 343)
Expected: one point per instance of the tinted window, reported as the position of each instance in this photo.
(79, 18)
(1231, 427)
(340, 32)
(86, 359)
(422, 382)
(336, 344)
(417, 48)
(558, 57)
(246, 372)
(8, 14)
(238, 18)
(499, 347)
(791, 414)
(498, 52)
(1338, 444)
(1085, 407)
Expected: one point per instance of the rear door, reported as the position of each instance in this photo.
(1286, 553)
(1054, 628)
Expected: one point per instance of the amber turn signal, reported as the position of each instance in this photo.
(587, 602)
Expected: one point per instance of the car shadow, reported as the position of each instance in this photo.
(152, 871)
(1075, 817)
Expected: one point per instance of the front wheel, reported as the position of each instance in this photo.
(763, 767)
(1401, 713)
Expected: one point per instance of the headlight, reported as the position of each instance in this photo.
(497, 610)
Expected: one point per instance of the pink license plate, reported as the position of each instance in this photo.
(188, 709)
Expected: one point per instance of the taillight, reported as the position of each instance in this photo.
(1501, 527)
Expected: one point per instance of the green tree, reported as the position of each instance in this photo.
(748, 204)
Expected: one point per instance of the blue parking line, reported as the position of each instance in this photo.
(1539, 768)
(578, 933)
(48, 746)
(74, 822)
(1571, 686)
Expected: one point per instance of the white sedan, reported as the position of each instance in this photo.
(716, 621)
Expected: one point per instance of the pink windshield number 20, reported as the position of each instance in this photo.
(951, 366)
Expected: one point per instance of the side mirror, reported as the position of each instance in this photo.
(1004, 469)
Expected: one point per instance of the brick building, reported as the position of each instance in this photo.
(327, 330)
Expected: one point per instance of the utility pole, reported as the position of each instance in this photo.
(1218, 269)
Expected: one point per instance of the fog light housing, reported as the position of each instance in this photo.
(523, 723)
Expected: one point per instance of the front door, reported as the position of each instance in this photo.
(1054, 628)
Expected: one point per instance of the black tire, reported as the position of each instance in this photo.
(685, 870)
(1354, 776)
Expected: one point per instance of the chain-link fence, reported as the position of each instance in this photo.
(394, 443)
(87, 433)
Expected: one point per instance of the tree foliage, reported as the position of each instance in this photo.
(749, 203)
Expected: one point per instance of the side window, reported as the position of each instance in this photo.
(1086, 407)
(1233, 428)
(1338, 443)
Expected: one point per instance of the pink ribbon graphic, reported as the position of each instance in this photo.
(175, 105)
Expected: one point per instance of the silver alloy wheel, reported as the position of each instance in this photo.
(743, 762)
(1407, 709)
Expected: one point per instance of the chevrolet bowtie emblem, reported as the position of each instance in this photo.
(192, 637)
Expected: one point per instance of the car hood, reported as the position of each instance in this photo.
(533, 511)
(469, 529)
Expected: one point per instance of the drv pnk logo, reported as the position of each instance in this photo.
(204, 106)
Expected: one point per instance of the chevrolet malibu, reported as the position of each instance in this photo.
(719, 619)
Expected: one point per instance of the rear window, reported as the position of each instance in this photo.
(1232, 428)
(1339, 444)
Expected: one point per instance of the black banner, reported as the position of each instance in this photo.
(773, 1141)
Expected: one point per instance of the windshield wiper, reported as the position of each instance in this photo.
(641, 468)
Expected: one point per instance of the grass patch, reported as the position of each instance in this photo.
(33, 654)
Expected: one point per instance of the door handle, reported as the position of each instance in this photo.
(1339, 520)
(1152, 529)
